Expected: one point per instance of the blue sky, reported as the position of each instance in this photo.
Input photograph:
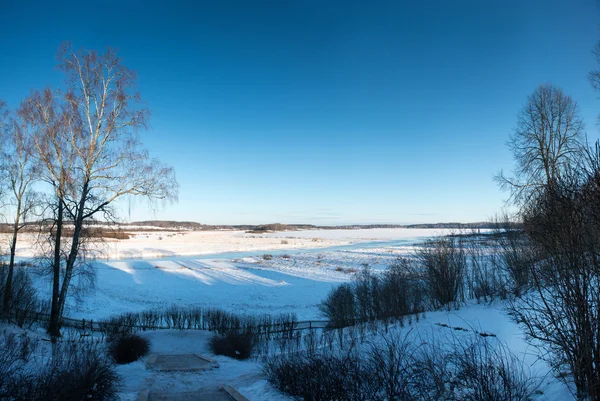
(322, 112)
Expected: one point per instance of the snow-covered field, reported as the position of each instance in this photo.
(156, 244)
(284, 280)
(230, 269)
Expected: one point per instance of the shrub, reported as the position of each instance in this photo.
(233, 345)
(24, 303)
(76, 371)
(402, 367)
(444, 262)
(325, 375)
(401, 291)
(84, 375)
(339, 306)
(489, 372)
(128, 348)
(486, 277)
(11, 366)
(367, 287)
(371, 296)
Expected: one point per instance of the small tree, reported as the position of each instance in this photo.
(19, 172)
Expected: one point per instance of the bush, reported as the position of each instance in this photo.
(339, 306)
(444, 262)
(487, 277)
(233, 345)
(84, 375)
(401, 367)
(488, 372)
(401, 291)
(76, 372)
(128, 348)
(396, 293)
(322, 376)
(24, 304)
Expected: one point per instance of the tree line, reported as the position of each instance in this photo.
(67, 155)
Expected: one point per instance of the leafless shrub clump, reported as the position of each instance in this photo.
(128, 348)
(372, 296)
(339, 306)
(73, 371)
(234, 345)
(514, 255)
(401, 367)
(25, 307)
(486, 277)
(444, 265)
(261, 327)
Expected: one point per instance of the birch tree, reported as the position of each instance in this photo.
(93, 155)
(18, 171)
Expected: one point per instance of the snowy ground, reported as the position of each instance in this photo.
(292, 277)
(156, 244)
(283, 282)
(248, 377)
(264, 281)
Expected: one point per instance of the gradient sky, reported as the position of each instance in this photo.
(322, 112)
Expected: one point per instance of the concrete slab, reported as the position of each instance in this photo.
(234, 394)
(213, 394)
(180, 363)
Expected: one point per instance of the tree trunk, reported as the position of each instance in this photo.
(54, 325)
(9, 278)
(11, 265)
(73, 252)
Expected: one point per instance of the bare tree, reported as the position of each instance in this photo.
(93, 156)
(548, 138)
(19, 172)
(594, 76)
(562, 313)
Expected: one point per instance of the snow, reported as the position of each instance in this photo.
(295, 278)
(158, 244)
(370, 234)
(247, 376)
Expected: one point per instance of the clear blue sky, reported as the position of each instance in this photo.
(320, 111)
